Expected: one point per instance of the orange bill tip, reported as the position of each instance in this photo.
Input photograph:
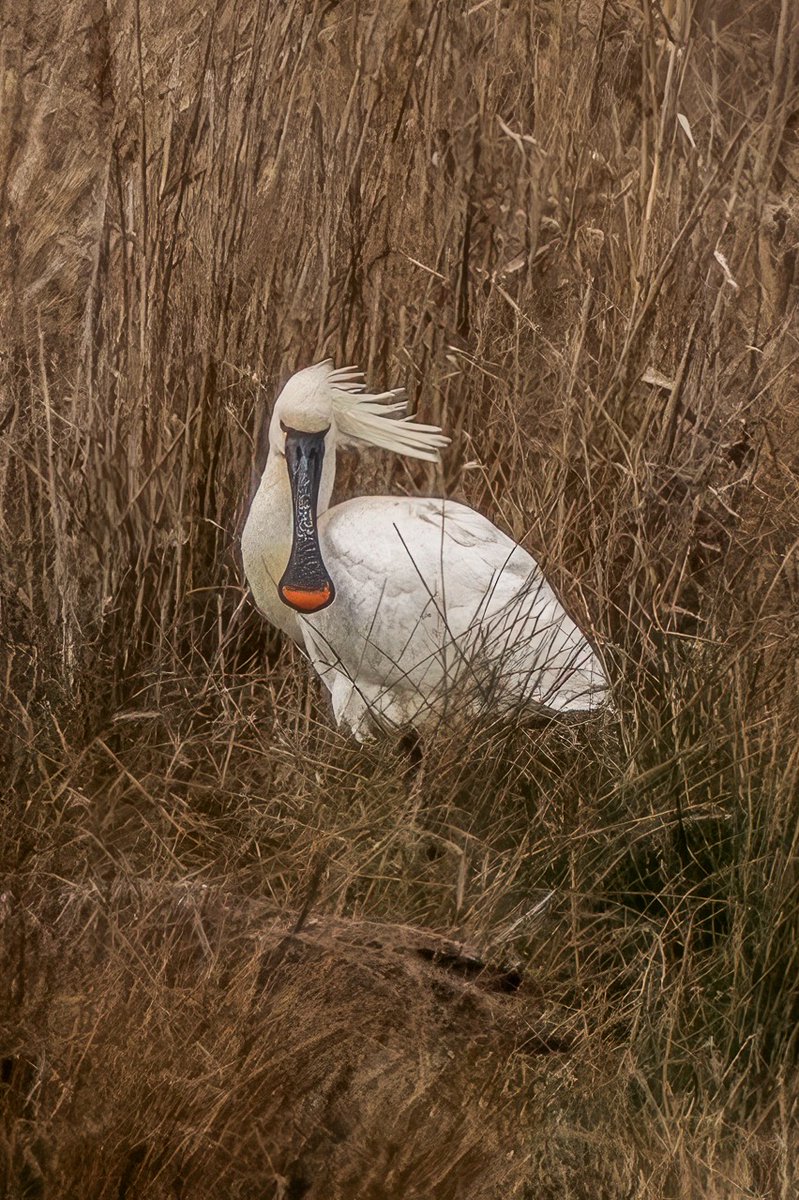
(307, 600)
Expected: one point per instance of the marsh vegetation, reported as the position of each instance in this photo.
(244, 956)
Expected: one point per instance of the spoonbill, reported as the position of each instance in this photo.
(406, 606)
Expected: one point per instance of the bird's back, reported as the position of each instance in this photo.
(434, 606)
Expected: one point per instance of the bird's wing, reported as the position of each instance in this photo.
(519, 640)
(397, 549)
(420, 585)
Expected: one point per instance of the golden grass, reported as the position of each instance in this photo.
(570, 230)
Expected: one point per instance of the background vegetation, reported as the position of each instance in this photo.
(242, 955)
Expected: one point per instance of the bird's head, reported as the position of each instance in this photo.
(336, 405)
(317, 409)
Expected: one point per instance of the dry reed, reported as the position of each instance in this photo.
(570, 230)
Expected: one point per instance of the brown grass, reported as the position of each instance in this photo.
(244, 956)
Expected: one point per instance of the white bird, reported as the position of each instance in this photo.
(408, 607)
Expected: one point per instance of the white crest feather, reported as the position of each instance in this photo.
(379, 418)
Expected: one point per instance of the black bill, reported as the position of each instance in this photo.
(305, 585)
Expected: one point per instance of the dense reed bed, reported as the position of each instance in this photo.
(244, 956)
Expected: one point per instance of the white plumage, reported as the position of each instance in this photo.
(409, 608)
